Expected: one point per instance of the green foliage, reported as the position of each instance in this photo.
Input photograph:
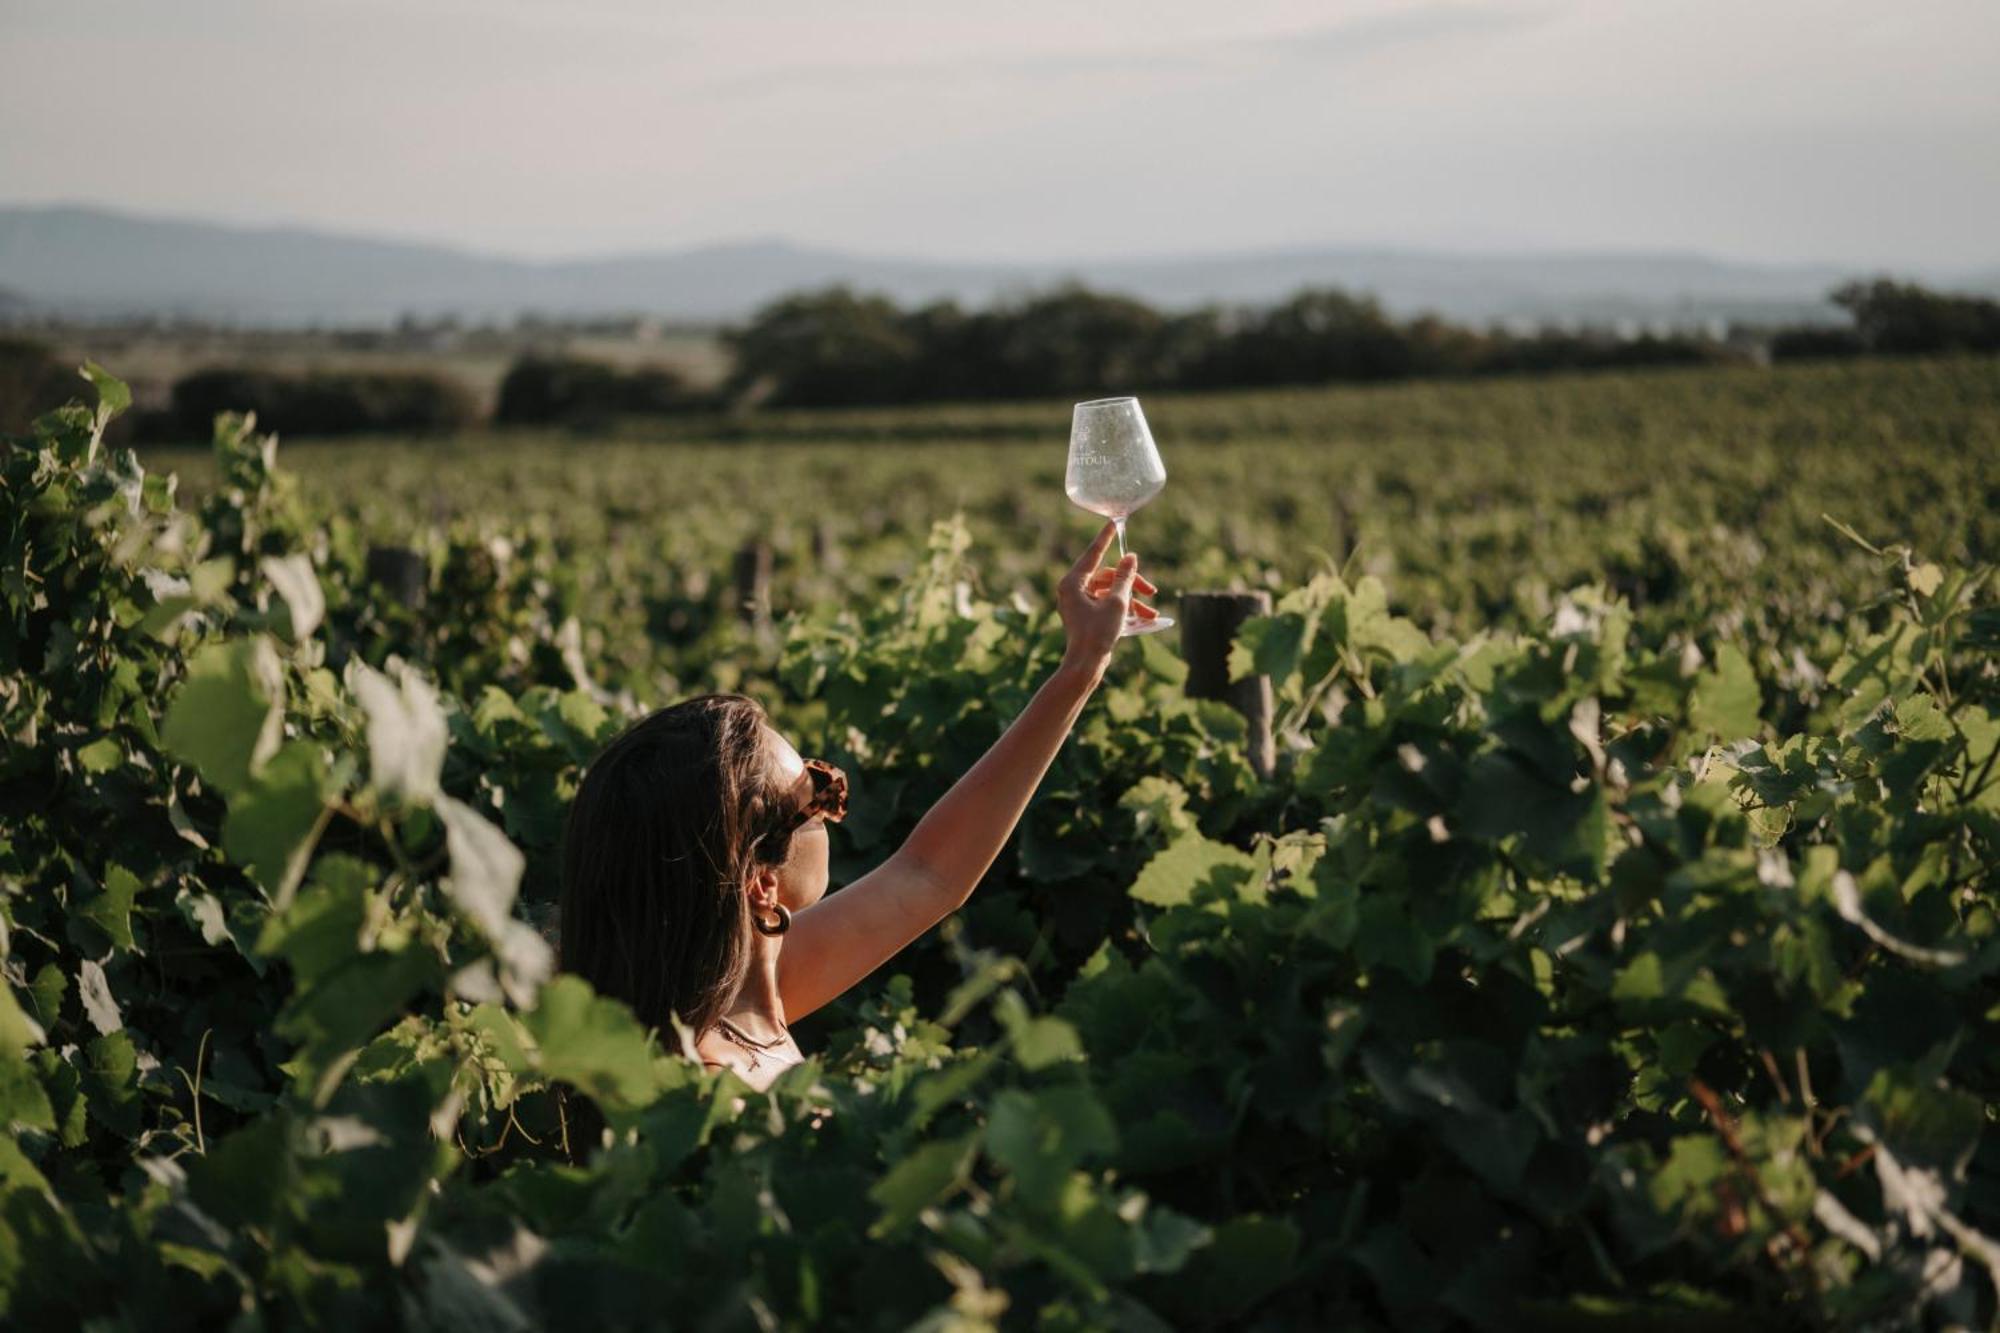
(1614, 965)
(322, 402)
(837, 347)
(1903, 317)
(32, 381)
(538, 390)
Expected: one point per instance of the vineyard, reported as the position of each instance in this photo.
(1614, 945)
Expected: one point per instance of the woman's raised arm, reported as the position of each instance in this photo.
(846, 935)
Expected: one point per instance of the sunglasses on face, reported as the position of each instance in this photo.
(821, 790)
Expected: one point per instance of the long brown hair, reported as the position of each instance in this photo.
(664, 832)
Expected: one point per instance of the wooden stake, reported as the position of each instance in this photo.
(402, 573)
(753, 583)
(1209, 621)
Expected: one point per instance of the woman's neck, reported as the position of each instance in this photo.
(757, 1011)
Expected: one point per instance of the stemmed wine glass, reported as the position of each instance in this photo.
(1114, 467)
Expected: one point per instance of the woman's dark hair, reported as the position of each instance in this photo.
(665, 830)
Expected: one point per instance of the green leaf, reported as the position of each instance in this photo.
(1191, 862)
(111, 1083)
(406, 730)
(1726, 699)
(110, 909)
(1926, 1122)
(23, 1103)
(18, 1173)
(485, 876)
(937, 1090)
(18, 1032)
(305, 604)
(1271, 646)
(45, 995)
(1164, 1239)
(593, 1043)
(1248, 1258)
(920, 1180)
(1641, 979)
(1045, 1041)
(485, 867)
(113, 395)
(1158, 805)
(321, 927)
(1041, 1136)
(1162, 662)
(1372, 630)
(1566, 829)
(502, 1033)
(101, 755)
(988, 975)
(357, 998)
(1386, 936)
(248, 1178)
(225, 718)
(63, 1084)
(1693, 1165)
(1038, 1042)
(95, 991)
(273, 822)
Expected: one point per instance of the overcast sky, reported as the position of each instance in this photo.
(1850, 131)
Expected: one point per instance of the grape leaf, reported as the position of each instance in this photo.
(406, 731)
(1189, 863)
(225, 719)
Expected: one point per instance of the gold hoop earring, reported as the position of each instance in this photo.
(784, 921)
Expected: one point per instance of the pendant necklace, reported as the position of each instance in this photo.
(732, 1033)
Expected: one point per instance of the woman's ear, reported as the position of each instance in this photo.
(763, 890)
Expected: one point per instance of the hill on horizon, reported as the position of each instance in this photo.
(94, 263)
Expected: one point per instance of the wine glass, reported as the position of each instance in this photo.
(1114, 467)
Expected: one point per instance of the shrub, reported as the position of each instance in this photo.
(1903, 317)
(32, 382)
(1804, 342)
(545, 390)
(829, 348)
(323, 402)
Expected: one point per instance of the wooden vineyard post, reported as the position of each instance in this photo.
(401, 572)
(753, 583)
(1209, 621)
(825, 548)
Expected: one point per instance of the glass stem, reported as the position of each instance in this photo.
(1120, 524)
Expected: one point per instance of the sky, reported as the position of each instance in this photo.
(1831, 131)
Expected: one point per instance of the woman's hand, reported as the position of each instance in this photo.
(1094, 601)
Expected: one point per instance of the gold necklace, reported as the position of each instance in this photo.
(732, 1033)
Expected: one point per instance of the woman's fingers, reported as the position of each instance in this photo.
(1102, 579)
(1087, 562)
(1144, 612)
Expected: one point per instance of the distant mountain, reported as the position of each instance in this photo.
(94, 263)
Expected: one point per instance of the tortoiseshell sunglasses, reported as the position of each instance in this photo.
(821, 790)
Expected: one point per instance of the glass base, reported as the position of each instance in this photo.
(1134, 625)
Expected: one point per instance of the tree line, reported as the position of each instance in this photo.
(838, 347)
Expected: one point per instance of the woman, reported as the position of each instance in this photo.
(695, 857)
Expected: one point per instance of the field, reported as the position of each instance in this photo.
(151, 359)
(1613, 947)
(1698, 496)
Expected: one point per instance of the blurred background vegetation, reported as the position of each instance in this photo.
(838, 347)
